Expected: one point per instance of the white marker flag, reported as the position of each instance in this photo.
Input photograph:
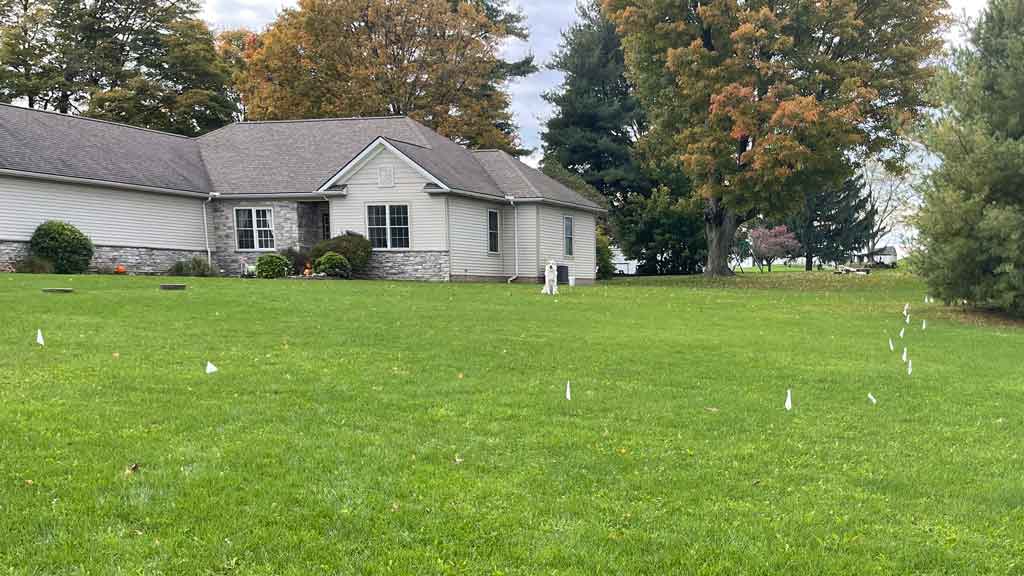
(891, 347)
(872, 398)
(789, 399)
(904, 355)
(39, 337)
(210, 368)
(568, 390)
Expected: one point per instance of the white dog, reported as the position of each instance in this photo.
(550, 278)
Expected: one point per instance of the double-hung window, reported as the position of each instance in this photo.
(254, 228)
(567, 226)
(387, 226)
(493, 231)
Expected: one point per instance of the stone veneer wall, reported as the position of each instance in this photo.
(136, 260)
(222, 231)
(426, 266)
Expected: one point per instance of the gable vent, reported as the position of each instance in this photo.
(386, 177)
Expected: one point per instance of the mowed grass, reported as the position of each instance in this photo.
(399, 428)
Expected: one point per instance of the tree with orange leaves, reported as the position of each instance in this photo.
(758, 101)
(433, 60)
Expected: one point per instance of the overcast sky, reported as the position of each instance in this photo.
(547, 19)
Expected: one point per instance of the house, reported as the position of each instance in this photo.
(432, 209)
(623, 266)
(885, 255)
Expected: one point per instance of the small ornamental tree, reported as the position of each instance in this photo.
(771, 244)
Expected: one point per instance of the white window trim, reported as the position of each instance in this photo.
(489, 251)
(387, 212)
(565, 252)
(255, 233)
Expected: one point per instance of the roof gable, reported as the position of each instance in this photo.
(376, 147)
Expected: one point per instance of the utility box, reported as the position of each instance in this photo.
(563, 274)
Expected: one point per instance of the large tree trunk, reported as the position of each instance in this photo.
(720, 227)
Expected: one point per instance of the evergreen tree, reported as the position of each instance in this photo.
(182, 86)
(597, 119)
(834, 224)
(972, 221)
(594, 133)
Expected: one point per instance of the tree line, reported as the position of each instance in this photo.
(156, 64)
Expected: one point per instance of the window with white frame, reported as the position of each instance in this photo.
(493, 231)
(387, 226)
(567, 225)
(254, 228)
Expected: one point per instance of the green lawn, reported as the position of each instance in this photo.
(399, 428)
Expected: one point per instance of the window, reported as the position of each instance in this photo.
(254, 228)
(387, 226)
(567, 226)
(325, 225)
(493, 231)
(386, 177)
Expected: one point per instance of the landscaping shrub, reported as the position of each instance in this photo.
(333, 264)
(354, 247)
(298, 258)
(34, 265)
(272, 266)
(65, 246)
(197, 266)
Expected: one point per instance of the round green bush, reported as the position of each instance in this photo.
(333, 264)
(354, 247)
(62, 244)
(273, 266)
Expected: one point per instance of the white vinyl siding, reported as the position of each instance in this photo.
(469, 229)
(110, 217)
(551, 233)
(527, 241)
(427, 225)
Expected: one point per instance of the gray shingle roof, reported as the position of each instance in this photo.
(522, 181)
(74, 146)
(277, 157)
(292, 156)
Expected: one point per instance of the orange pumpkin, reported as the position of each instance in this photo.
(120, 269)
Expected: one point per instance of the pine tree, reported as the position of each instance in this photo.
(834, 224)
(972, 221)
(594, 134)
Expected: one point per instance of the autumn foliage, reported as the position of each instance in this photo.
(762, 99)
(433, 60)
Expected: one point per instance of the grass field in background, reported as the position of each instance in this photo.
(400, 428)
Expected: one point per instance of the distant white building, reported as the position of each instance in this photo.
(623, 266)
(885, 255)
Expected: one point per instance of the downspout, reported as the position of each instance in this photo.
(515, 234)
